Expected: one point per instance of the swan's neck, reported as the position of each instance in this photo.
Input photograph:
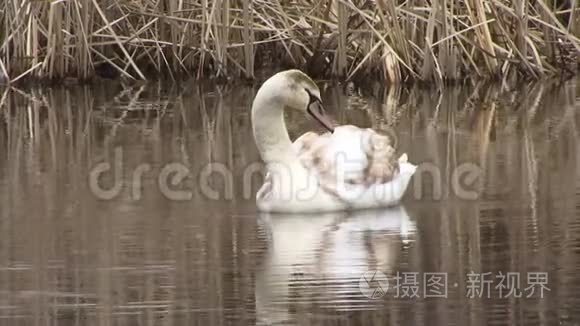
(270, 131)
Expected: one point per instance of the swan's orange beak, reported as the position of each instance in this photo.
(316, 110)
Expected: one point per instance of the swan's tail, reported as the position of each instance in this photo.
(405, 167)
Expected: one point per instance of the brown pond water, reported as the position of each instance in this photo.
(498, 192)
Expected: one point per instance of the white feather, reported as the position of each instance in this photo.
(342, 164)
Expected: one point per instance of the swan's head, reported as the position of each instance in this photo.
(299, 92)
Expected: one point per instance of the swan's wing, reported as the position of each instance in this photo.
(350, 155)
(265, 192)
(356, 166)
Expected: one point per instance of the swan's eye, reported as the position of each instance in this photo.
(312, 98)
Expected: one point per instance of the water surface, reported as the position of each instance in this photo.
(497, 192)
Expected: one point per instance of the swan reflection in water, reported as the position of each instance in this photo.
(318, 260)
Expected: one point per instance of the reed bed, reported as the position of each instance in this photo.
(396, 40)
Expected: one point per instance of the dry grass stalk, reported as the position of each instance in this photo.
(397, 40)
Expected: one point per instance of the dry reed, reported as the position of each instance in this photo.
(396, 40)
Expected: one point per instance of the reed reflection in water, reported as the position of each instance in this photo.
(68, 257)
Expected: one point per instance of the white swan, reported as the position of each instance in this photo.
(345, 169)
